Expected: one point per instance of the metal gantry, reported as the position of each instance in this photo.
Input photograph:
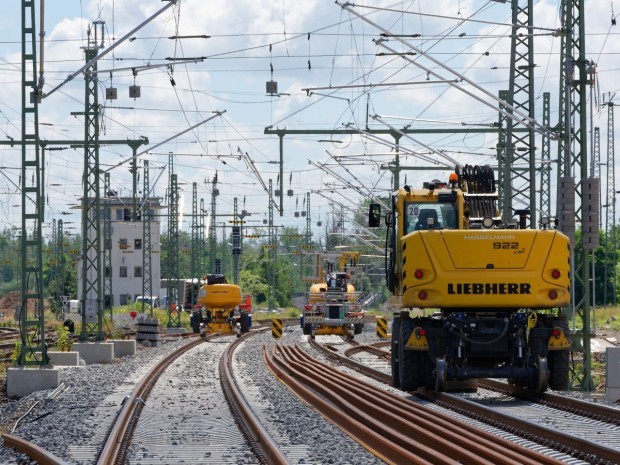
(33, 349)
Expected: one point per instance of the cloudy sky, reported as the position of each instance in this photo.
(332, 72)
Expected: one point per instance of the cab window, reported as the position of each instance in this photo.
(417, 216)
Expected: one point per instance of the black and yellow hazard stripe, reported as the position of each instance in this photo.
(382, 328)
(276, 328)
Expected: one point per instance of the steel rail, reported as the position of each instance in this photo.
(571, 445)
(358, 366)
(258, 438)
(568, 404)
(373, 442)
(389, 425)
(36, 453)
(115, 448)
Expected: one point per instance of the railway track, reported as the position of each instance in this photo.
(393, 428)
(586, 431)
(162, 419)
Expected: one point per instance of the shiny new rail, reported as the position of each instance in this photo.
(391, 427)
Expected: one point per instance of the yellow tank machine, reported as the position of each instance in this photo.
(332, 305)
(221, 308)
(495, 288)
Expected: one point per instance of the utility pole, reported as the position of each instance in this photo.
(212, 237)
(92, 315)
(32, 329)
(545, 163)
(194, 240)
(107, 244)
(520, 183)
(147, 280)
(271, 247)
(610, 216)
(60, 237)
(172, 259)
(573, 171)
(201, 239)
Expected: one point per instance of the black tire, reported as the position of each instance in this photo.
(558, 369)
(395, 344)
(409, 360)
(195, 323)
(357, 329)
(244, 321)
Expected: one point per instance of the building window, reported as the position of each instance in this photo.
(137, 272)
(137, 244)
(123, 244)
(119, 214)
(123, 214)
(123, 272)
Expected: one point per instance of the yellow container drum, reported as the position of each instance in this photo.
(220, 296)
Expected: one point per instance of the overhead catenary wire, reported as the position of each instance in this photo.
(516, 115)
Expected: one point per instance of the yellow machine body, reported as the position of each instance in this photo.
(221, 301)
(496, 288)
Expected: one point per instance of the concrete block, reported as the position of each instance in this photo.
(22, 381)
(176, 330)
(95, 352)
(124, 347)
(612, 374)
(64, 358)
(612, 395)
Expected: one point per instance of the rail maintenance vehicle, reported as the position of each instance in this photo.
(496, 290)
(332, 306)
(221, 308)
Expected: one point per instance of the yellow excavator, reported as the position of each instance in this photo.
(491, 291)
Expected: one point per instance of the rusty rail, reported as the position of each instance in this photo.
(36, 453)
(259, 440)
(391, 427)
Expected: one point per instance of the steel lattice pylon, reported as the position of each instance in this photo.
(194, 264)
(545, 163)
(92, 317)
(518, 164)
(60, 237)
(172, 262)
(573, 163)
(107, 245)
(271, 272)
(147, 280)
(212, 236)
(33, 349)
(610, 215)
